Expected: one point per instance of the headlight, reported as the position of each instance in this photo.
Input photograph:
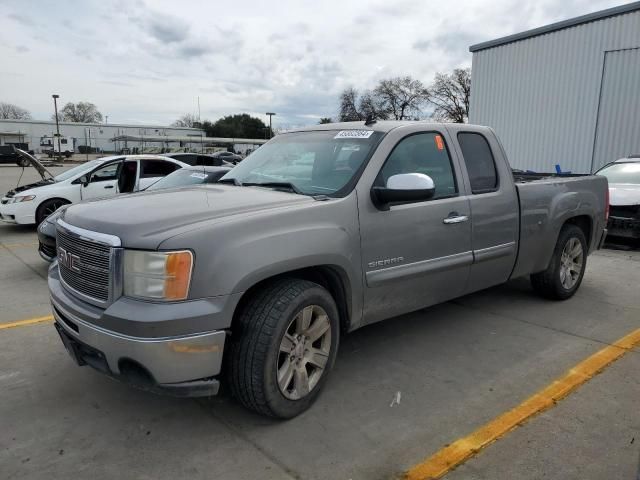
(23, 198)
(157, 275)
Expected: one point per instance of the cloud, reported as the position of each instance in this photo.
(22, 19)
(146, 60)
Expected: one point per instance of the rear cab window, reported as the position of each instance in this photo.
(479, 161)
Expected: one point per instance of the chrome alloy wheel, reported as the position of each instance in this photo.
(304, 352)
(571, 262)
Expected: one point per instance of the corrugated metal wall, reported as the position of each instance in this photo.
(542, 94)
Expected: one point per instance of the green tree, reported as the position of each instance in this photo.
(324, 120)
(240, 125)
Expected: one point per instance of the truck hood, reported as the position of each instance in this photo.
(624, 194)
(145, 219)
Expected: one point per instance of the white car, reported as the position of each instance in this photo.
(105, 177)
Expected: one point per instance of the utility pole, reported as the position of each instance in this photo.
(106, 119)
(55, 108)
(271, 114)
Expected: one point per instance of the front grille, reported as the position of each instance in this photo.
(93, 265)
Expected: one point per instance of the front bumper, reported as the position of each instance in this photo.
(21, 213)
(179, 364)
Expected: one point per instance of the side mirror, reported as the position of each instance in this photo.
(404, 187)
(84, 180)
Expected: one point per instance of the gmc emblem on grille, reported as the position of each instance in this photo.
(69, 260)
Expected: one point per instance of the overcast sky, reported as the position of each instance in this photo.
(148, 61)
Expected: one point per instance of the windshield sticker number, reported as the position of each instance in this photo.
(354, 134)
(201, 176)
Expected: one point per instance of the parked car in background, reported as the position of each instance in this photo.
(198, 159)
(190, 176)
(319, 232)
(8, 153)
(180, 178)
(624, 196)
(228, 157)
(103, 177)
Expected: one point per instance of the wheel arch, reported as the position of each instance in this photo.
(63, 199)
(332, 277)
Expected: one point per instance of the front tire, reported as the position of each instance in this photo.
(283, 347)
(563, 276)
(47, 208)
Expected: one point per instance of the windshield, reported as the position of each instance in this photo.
(80, 169)
(320, 162)
(180, 178)
(622, 172)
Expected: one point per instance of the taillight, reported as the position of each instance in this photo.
(606, 205)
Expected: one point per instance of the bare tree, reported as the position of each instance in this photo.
(349, 106)
(450, 94)
(401, 98)
(187, 120)
(9, 111)
(81, 112)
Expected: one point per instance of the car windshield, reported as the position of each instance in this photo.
(180, 178)
(311, 163)
(79, 170)
(622, 173)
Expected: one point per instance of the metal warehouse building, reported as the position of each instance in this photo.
(38, 135)
(567, 93)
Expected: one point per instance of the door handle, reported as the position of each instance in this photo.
(109, 186)
(455, 218)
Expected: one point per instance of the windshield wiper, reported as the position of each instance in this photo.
(232, 181)
(287, 185)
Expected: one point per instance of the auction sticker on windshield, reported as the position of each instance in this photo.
(201, 176)
(354, 134)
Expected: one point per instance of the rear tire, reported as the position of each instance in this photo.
(275, 368)
(563, 276)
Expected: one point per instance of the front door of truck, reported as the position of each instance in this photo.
(414, 254)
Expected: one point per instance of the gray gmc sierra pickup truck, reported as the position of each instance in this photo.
(320, 231)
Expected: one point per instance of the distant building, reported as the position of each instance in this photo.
(39, 135)
(567, 93)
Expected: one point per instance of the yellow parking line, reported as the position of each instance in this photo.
(461, 450)
(29, 321)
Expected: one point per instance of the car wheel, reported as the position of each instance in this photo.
(47, 208)
(283, 347)
(563, 276)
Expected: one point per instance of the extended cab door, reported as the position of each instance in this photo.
(414, 254)
(103, 182)
(494, 206)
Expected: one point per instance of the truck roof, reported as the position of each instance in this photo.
(382, 126)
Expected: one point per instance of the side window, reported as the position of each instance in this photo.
(479, 162)
(422, 153)
(108, 172)
(204, 160)
(156, 168)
